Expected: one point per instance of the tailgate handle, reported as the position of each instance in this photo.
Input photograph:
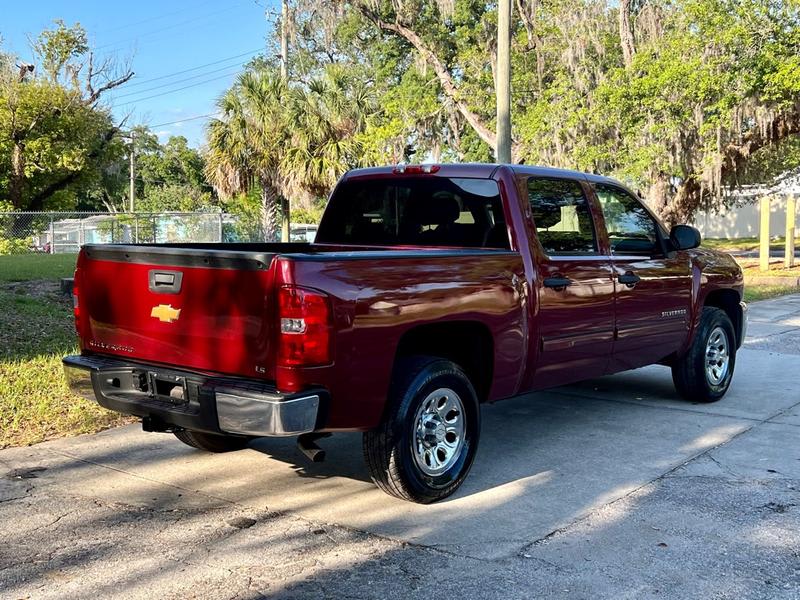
(165, 282)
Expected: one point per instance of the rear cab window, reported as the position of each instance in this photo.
(416, 211)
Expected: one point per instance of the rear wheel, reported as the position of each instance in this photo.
(704, 373)
(210, 442)
(424, 449)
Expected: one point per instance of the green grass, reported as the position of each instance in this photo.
(36, 331)
(750, 243)
(25, 267)
(776, 269)
(752, 293)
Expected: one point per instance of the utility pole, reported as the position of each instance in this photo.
(133, 170)
(285, 209)
(503, 86)
(284, 39)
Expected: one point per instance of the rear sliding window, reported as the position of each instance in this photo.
(416, 211)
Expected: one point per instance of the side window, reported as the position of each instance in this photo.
(631, 229)
(561, 216)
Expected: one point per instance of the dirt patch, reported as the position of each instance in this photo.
(40, 289)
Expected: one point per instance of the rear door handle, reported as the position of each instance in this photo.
(630, 279)
(557, 283)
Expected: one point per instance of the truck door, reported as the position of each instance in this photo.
(574, 321)
(652, 287)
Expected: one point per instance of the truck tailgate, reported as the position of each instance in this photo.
(203, 310)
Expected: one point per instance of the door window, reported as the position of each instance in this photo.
(561, 216)
(631, 229)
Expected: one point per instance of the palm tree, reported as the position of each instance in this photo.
(325, 118)
(246, 142)
(287, 141)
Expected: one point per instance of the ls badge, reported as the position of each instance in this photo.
(165, 313)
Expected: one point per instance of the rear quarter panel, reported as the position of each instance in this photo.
(376, 300)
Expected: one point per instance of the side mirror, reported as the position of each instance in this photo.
(684, 237)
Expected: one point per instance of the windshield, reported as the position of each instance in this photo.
(416, 211)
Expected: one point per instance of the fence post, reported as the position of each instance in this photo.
(791, 207)
(763, 251)
(220, 227)
(52, 236)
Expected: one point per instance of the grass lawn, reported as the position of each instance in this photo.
(750, 243)
(753, 293)
(24, 267)
(36, 330)
(776, 269)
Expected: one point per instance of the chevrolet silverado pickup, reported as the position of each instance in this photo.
(429, 290)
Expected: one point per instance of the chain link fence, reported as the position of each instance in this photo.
(66, 232)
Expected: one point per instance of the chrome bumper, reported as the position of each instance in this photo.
(218, 405)
(265, 415)
(743, 337)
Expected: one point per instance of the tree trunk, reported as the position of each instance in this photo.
(445, 77)
(269, 210)
(17, 179)
(626, 32)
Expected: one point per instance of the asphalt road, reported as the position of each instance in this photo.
(608, 489)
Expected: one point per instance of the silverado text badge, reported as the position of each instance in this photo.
(165, 313)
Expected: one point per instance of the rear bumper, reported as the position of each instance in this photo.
(189, 400)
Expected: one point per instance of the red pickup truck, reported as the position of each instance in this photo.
(429, 290)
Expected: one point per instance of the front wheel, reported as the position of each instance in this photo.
(704, 373)
(425, 446)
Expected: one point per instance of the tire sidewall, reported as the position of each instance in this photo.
(716, 319)
(440, 374)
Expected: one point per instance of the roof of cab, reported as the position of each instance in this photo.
(485, 170)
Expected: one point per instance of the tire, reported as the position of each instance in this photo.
(694, 377)
(210, 442)
(429, 395)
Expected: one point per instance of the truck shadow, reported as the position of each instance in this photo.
(558, 465)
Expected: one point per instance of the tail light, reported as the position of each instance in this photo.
(76, 303)
(415, 169)
(305, 328)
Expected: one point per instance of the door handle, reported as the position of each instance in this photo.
(629, 279)
(557, 283)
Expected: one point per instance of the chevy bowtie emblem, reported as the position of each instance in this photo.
(165, 313)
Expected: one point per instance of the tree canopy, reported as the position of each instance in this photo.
(56, 142)
(680, 98)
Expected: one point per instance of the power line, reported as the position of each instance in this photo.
(155, 18)
(216, 62)
(182, 120)
(176, 90)
(185, 79)
(167, 28)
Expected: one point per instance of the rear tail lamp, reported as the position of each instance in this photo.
(76, 303)
(305, 322)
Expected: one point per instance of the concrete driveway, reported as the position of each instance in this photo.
(608, 489)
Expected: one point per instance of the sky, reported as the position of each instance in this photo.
(184, 54)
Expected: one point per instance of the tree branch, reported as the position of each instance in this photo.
(445, 78)
(37, 201)
(94, 94)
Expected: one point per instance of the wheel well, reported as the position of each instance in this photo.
(728, 300)
(469, 344)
